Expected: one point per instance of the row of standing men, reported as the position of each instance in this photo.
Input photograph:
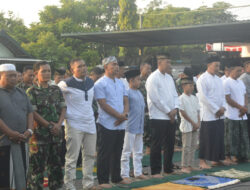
(119, 109)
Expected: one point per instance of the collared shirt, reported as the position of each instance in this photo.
(125, 82)
(223, 78)
(245, 77)
(211, 96)
(79, 112)
(48, 103)
(14, 107)
(135, 122)
(113, 91)
(161, 95)
(237, 91)
(190, 105)
(23, 86)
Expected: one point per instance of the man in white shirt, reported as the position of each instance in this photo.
(80, 131)
(163, 103)
(212, 101)
(236, 130)
(226, 69)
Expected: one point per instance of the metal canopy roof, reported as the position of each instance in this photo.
(200, 34)
(19, 60)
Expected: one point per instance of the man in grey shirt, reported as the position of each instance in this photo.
(16, 123)
(245, 77)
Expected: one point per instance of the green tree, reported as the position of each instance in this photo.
(74, 16)
(13, 26)
(156, 16)
(128, 20)
(47, 47)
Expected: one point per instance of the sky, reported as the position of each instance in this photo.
(28, 9)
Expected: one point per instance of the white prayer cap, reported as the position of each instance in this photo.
(110, 59)
(7, 67)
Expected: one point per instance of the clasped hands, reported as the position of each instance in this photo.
(121, 118)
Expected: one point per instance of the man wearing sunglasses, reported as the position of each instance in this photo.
(80, 131)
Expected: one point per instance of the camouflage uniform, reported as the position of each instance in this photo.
(178, 135)
(236, 139)
(178, 86)
(23, 86)
(147, 129)
(45, 149)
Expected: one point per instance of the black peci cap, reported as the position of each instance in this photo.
(132, 74)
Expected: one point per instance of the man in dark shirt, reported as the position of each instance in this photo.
(16, 120)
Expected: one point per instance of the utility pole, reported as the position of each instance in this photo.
(141, 48)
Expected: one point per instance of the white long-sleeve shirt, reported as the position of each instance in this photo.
(161, 95)
(211, 96)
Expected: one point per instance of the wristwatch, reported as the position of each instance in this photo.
(30, 130)
(50, 126)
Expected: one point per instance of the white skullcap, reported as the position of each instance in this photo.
(110, 59)
(7, 67)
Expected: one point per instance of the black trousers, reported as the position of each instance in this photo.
(163, 137)
(5, 165)
(110, 144)
(248, 124)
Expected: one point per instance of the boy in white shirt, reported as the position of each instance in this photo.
(190, 123)
(236, 131)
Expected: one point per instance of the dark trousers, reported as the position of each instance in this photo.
(248, 125)
(163, 137)
(5, 165)
(110, 144)
(212, 140)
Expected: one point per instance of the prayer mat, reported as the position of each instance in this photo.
(233, 173)
(239, 186)
(210, 182)
(169, 186)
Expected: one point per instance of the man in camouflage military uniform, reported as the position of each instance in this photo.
(95, 74)
(145, 69)
(45, 143)
(187, 73)
(28, 77)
